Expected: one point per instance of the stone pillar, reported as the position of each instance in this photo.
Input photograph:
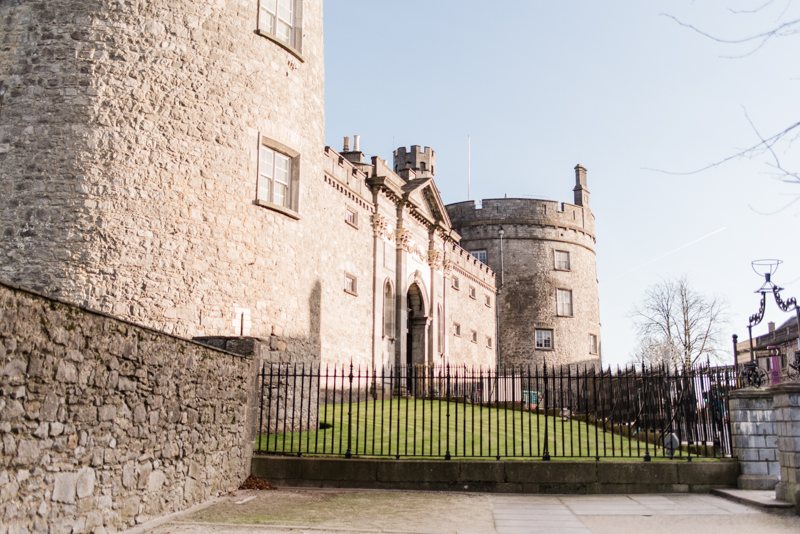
(754, 438)
(787, 423)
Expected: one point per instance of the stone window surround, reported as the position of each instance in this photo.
(487, 301)
(354, 278)
(473, 293)
(593, 348)
(348, 210)
(456, 329)
(571, 303)
(296, 47)
(555, 260)
(488, 342)
(455, 283)
(536, 342)
(473, 336)
(294, 185)
(388, 311)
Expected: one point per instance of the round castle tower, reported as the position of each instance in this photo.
(162, 161)
(544, 257)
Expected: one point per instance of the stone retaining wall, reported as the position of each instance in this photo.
(754, 439)
(499, 477)
(105, 424)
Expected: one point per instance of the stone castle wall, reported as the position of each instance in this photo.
(106, 424)
(129, 136)
(533, 231)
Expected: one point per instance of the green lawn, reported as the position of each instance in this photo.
(419, 428)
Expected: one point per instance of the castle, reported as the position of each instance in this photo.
(165, 163)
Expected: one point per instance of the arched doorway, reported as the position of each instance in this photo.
(416, 326)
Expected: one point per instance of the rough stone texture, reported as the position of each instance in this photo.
(500, 477)
(105, 424)
(129, 153)
(533, 231)
(753, 430)
(787, 423)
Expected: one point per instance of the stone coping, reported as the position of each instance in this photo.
(573, 477)
(65, 302)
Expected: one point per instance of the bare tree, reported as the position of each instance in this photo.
(771, 146)
(676, 317)
(654, 352)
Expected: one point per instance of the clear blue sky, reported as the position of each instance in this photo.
(541, 86)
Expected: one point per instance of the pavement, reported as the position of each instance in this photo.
(337, 511)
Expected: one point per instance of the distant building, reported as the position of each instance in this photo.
(784, 338)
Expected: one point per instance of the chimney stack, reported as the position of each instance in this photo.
(356, 142)
(346, 145)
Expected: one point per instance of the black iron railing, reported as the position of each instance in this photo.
(536, 412)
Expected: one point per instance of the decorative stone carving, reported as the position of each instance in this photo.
(404, 239)
(435, 258)
(380, 226)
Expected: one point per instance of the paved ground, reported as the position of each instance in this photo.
(299, 511)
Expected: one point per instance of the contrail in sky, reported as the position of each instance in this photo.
(670, 252)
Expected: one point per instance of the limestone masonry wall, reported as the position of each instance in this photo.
(528, 279)
(106, 424)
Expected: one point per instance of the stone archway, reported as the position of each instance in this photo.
(416, 326)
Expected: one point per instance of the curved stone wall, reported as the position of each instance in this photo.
(528, 279)
(129, 136)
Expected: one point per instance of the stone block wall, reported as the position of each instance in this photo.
(106, 424)
(787, 426)
(753, 430)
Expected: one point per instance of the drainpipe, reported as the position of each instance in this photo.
(497, 297)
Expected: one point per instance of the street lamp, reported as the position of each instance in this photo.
(767, 268)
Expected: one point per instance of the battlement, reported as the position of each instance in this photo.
(522, 211)
(421, 160)
(469, 264)
(348, 174)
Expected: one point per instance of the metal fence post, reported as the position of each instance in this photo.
(349, 453)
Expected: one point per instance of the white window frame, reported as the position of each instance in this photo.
(273, 21)
(271, 153)
(480, 255)
(545, 341)
(351, 216)
(563, 261)
(351, 280)
(593, 348)
(564, 303)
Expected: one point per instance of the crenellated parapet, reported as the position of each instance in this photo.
(523, 211)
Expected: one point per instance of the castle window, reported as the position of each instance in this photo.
(564, 302)
(277, 177)
(278, 20)
(455, 283)
(474, 336)
(544, 339)
(388, 311)
(457, 329)
(473, 293)
(592, 344)
(488, 342)
(487, 300)
(562, 260)
(422, 166)
(351, 217)
(350, 284)
(480, 255)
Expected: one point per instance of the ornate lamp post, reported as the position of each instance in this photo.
(767, 268)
